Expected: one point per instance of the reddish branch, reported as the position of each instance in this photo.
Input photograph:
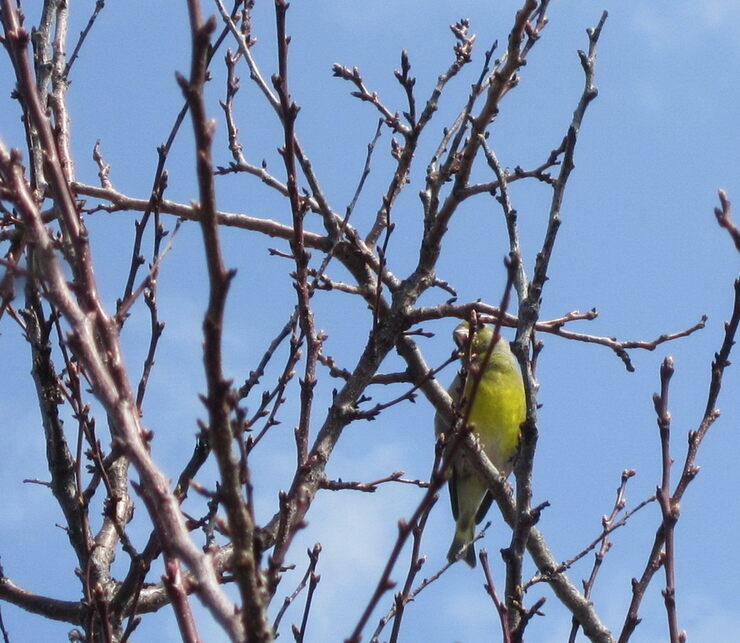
(724, 218)
(405, 529)
(313, 557)
(220, 400)
(121, 202)
(609, 524)
(179, 599)
(501, 609)
(288, 112)
(669, 509)
(371, 487)
(416, 562)
(530, 294)
(659, 552)
(94, 338)
(95, 345)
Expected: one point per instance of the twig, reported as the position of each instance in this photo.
(288, 111)
(103, 167)
(564, 566)
(179, 598)
(530, 293)
(332, 222)
(232, 87)
(299, 634)
(453, 136)
(68, 611)
(277, 394)
(416, 562)
(379, 378)
(689, 470)
(99, 4)
(668, 508)
(219, 401)
(371, 487)
(510, 216)
(57, 96)
(724, 218)
(501, 609)
(404, 530)
(526, 615)
(410, 395)
(159, 181)
(540, 173)
(257, 373)
(6, 636)
(313, 557)
(363, 93)
(404, 154)
(608, 524)
(553, 326)
(411, 596)
(319, 277)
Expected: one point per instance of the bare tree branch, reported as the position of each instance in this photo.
(220, 401)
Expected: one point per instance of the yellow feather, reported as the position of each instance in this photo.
(496, 415)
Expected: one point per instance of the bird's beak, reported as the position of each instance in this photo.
(461, 336)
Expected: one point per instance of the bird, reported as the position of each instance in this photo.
(496, 415)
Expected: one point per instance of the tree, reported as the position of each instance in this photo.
(343, 322)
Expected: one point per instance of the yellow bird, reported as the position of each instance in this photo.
(498, 410)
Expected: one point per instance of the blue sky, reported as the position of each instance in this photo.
(638, 242)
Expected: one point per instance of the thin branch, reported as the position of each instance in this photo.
(689, 470)
(371, 487)
(411, 596)
(602, 540)
(529, 310)
(668, 509)
(179, 599)
(364, 94)
(119, 201)
(257, 373)
(94, 339)
(220, 402)
(620, 348)
(501, 609)
(289, 112)
(608, 524)
(299, 634)
(99, 4)
(553, 326)
(724, 218)
(313, 557)
(416, 562)
(460, 434)
(404, 530)
(6, 636)
(404, 154)
(276, 396)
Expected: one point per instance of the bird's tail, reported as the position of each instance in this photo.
(463, 539)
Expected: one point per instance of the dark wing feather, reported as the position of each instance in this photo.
(484, 507)
(453, 494)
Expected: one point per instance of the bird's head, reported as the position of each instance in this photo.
(480, 341)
